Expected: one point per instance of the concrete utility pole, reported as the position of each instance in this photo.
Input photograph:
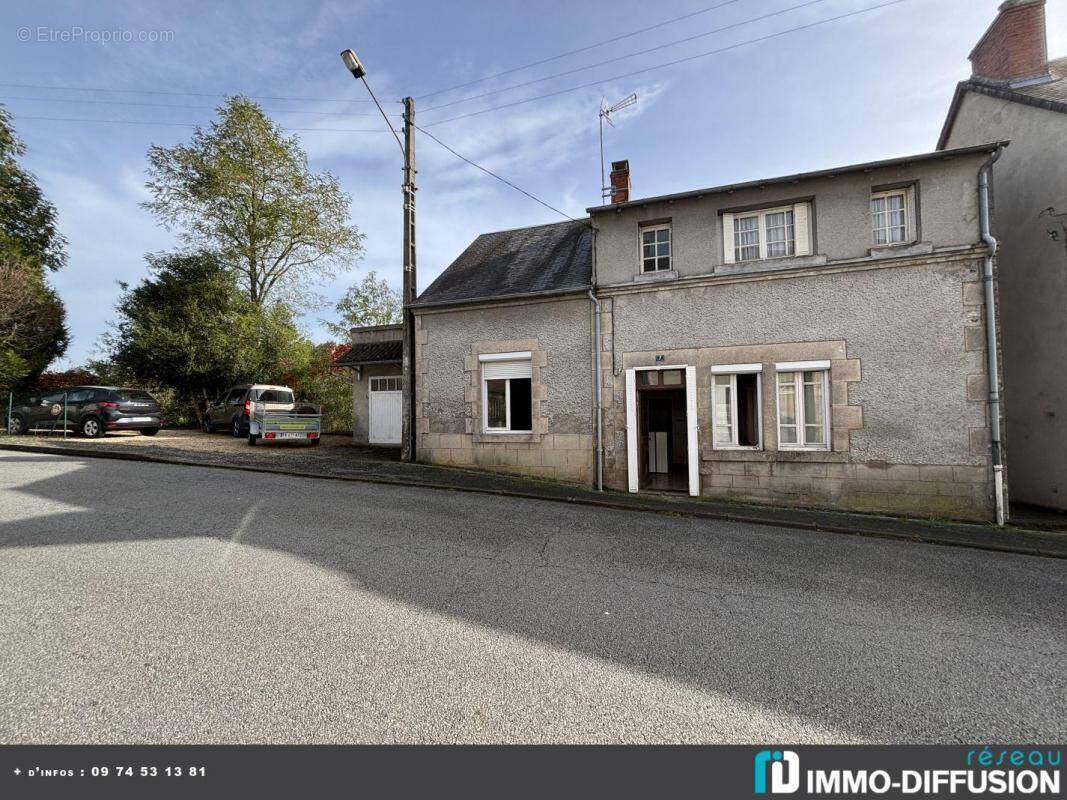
(407, 423)
(407, 447)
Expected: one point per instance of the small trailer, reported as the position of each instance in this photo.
(302, 423)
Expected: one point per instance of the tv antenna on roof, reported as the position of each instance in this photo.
(605, 116)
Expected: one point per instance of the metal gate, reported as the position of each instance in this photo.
(386, 410)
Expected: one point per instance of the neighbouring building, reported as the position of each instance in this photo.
(375, 357)
(812, 340)
(1017, 93)
(503, 355)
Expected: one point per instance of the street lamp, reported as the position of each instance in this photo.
(359, 72)
(352, 63)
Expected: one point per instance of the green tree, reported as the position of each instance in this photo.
(318, 381)
(372, 301)
(189, 327)
(27, 220)
(33, 330)
(243, 190)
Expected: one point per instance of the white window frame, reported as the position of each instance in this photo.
(378, 381)
(497, 357)
(733, 370)
(641, 231)
(801, 232)
(903, 193)
(798, 368)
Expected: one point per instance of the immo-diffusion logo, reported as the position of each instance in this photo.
(783, 767)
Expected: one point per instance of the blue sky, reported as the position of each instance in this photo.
(870, 86)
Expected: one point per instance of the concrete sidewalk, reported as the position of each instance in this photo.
(340, 460)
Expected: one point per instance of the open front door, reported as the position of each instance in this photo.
(692, 428)
(632, 474)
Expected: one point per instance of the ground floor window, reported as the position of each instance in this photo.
(735, 406)
(507, 394)
(803, 406)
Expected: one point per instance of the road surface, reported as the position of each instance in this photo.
(154, 603)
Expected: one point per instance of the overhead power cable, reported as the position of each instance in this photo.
(183, 94)
(677, 61)
(626, 57)
(181, 106)
(20, 117)
(493, 174)
(584, 49)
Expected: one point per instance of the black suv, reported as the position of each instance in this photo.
(91, 410)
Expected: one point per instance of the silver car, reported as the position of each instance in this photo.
(233, 409)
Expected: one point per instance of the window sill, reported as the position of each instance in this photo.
(652, 277)
(901, 249)
(811, 456)
(505, 437)
(770, 264)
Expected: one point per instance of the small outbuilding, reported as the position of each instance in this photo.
(375, 358)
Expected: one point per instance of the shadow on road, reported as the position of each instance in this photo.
(880, 640)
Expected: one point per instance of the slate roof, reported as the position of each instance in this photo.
(526, 261)
(1050, 95)
(372, 353)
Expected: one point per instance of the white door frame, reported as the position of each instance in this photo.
(692, 426)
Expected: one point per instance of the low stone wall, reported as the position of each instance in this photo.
(934, 490)
(559, 456)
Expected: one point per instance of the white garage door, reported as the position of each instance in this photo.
(386, 408)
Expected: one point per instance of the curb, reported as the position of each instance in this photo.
(925, 537)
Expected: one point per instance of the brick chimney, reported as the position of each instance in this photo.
(620, 181)
(1013, 48)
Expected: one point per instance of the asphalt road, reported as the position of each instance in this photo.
(154, 603)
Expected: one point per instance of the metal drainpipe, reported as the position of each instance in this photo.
(597, 372)
(992, 367)
(599, 394)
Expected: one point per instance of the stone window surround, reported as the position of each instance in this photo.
(844, 418)
(538, 390)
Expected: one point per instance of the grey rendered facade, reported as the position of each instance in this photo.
(1030, 179)
(890, 337)
(900, 326)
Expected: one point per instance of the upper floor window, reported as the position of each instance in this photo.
(889, 217)
(766, 233)
(655, 248)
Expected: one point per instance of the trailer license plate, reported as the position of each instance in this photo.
(287, 435)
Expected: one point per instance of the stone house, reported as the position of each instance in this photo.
(812, 340)
(1015, 92)
(375, 357)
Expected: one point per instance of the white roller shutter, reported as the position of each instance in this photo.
(497, 370)
(728, 238)
(802, 229)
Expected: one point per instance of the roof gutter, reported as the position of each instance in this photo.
(992, 365)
